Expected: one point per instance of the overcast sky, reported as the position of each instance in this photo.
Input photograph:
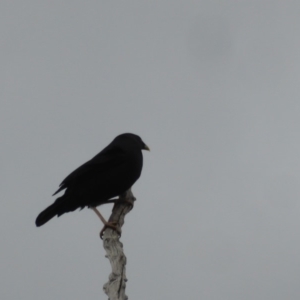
(212, 87)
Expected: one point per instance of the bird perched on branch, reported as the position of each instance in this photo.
(109, 174)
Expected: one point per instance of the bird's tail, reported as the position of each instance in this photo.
(47, 214)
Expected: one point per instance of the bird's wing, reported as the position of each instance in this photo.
(107, 159)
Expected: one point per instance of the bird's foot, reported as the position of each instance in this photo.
(112, 225)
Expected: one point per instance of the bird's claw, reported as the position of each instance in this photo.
(112, 225)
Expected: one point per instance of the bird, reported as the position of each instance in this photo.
(107, 175)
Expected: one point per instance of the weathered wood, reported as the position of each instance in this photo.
(115, 287)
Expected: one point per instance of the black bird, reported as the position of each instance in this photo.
(109, 174)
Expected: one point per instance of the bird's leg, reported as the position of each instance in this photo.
(99, 215)
(112, 225)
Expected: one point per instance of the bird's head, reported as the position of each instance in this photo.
(132, 139)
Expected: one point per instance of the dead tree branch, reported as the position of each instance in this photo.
(115, 287)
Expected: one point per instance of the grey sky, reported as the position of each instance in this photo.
(212, 87)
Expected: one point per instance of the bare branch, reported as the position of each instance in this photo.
(115, 287)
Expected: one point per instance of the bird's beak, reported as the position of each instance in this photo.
(146, 148)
